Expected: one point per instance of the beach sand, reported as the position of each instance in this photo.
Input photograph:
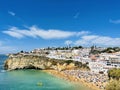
(72, 79)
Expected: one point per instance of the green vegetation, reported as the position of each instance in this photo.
(114, 74)
(114, 77)
(64, 48)
(113, 85)
(77, 47)
(85, 66)
(30, 62)
(69, 61)
(111, 49)
(22, 51)
(94, 50)
(78, 64)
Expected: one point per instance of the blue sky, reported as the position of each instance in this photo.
(29, 24)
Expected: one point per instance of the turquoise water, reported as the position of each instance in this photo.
(2, 59)
(28, 79)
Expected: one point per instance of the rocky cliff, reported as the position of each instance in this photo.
(38, 62)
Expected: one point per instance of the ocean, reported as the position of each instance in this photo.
(32, 80)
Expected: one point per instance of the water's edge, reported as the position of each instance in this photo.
(28, 80)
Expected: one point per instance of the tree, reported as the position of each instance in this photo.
(114, 74)
(21, 51)
(80, 47)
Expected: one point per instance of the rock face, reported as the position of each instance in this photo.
(37, 62)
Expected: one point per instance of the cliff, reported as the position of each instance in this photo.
(38, 62)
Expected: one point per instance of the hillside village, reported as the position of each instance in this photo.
(98, 62)
(99, 59)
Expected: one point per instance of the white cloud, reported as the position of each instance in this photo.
(68, 42)
(86, 38)
(76, 15)
(51, 33)
(45, 34)
(89, 37)
(5, 48)
(0, 43)
(82, 33)
(115, 21)
(11, 13)
(13, 32)
(98, 40)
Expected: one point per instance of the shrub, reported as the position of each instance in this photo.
(114, 73)
(68, 61)
(113, 85)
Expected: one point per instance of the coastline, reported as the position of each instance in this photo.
(67, 70)
(72, 79)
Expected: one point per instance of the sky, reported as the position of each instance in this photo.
(29, 24)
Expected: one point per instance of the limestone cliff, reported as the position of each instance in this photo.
(21, 61)
(38, 62)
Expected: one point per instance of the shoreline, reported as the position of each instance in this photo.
(72, 79)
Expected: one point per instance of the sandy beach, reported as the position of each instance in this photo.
(72, 78)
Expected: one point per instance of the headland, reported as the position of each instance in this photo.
(70, 70)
